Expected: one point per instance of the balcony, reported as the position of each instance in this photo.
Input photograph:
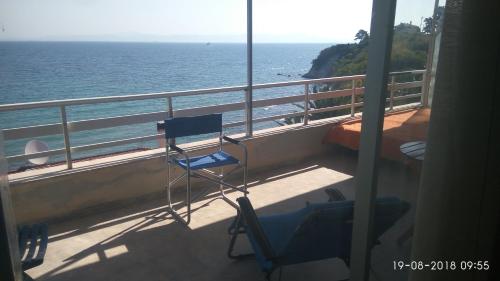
(141, 241)
(107, 214)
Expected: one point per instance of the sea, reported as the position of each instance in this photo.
(40, 71)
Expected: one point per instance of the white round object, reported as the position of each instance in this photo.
(34, 146)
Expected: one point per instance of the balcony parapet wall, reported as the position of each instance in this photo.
(56, 193)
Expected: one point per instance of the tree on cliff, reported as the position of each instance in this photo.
(428, 21)
(361, 36)
(409, 49)
(427, 25)
(409, 52)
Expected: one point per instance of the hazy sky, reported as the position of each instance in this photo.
(331, 21)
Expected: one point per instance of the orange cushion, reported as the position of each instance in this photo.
(399, 127)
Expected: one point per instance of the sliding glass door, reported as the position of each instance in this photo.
(393, 138)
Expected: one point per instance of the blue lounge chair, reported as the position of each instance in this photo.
(316, 232)
(201, 166)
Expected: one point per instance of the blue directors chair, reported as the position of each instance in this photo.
(209, 167)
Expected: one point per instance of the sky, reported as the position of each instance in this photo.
(307, 21)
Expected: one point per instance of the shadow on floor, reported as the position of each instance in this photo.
(142, 242)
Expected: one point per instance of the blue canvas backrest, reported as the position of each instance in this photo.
(191, 126)
(327, 231)
(388, 211)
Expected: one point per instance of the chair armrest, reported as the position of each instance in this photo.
(177, 149)
(231, 140)
(238, 143)
(181, 152)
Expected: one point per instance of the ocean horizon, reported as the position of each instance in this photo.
(39, 71)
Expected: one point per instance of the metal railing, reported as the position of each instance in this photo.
(65, 127)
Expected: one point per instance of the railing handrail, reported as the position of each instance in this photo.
(66, 127)
(183, 93)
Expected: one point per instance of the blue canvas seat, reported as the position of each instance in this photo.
(217, 159)
(201, 166)
(318, 231)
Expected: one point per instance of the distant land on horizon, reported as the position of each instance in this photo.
(166, 42)
(154, 38)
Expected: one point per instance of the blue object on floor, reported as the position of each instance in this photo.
(33, 240)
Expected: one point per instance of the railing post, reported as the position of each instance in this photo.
(425, 89)
(170, 107)
(306, 103)
(170, 114)
(391, 97)
(248, 92)
(248, 114)
(353, 97)
(426, 77)
(67, 145)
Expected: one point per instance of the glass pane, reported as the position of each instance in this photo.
(298, 40)
(404, 136)
(285, 50)
(111, 49)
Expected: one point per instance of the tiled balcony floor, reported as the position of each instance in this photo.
(142, 242)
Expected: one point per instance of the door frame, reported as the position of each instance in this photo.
(10, 260)
(379, 54)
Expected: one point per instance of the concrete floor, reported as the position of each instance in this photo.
(143, 242)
